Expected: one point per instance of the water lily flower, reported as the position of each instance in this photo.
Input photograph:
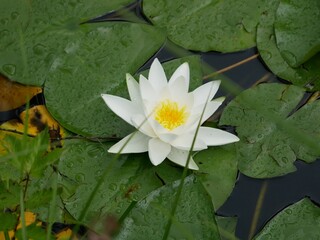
(166, 116)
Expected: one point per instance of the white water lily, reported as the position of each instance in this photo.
(166, 116)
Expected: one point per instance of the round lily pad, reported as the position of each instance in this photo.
(298, 221)
(271, 136)
(28, 48)
(95, 60)
(297, 30)
(307, 75)
(224, 26)
(194, 218)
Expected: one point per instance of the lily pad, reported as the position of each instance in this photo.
(297, 30)
(307, 75)
(227, 227)
(30, 43)
(266, 148)
(298, 221)
(129, 179)
(194, 218)
(224, 26)
(218, 172)
(95, 61)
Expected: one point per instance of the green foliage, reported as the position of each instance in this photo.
(227, 227)
(265, 149)
(224, 26)
(95, 61)
(194, 217)
(32, 33)
(297, 30)
(298, 221)
(307, 74)
(218, 172)
(8, 221)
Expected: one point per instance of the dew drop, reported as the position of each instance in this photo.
(39, 49)
(70, 164)
(113, 186)
(80, 177)
(14, 15)
(9, 69)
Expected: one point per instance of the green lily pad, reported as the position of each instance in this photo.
(227, 227)
(129, 179)
(261, 116)
(224, 26)
(297, 30)
(307, 75)
(298, 221)
(194, 218)
(218, 172)
(96, 61)
(30, 44)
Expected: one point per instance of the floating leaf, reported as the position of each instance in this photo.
(265, 148)
(224, 26)
(307, 75)
(129, 179)
(218, 172)
(194, 217)
(95, 62)
(297, 30)
(296, 222)
(227, 227)
(30, 44)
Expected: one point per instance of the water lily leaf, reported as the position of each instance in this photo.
(224, 26)
(227, 227)
(96, 61)
(28, 49)
(307, 75)
(297, 30)
(265, 148)
(194, 218)
(194, 62)
(298, 221)
(218, 172)
(129, 179)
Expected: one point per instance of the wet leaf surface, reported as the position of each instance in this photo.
(307, 75)
(297, 30)
(265, 149)
(96, 61)
(194, 217)
(218, 172)
(28, 47)
(224, 26)
(298, 221)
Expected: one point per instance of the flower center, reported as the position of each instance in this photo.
(170, 115)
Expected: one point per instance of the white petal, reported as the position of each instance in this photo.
(211, 107)
(184, 72)
(179, 92)
(180, 157)
(184, 142)
(158, 151)
(138, 143)
(157, 76)
(142, 124)
(121, 106)
(133, 88)
(146, 89)
(216, 137)
(205, 92)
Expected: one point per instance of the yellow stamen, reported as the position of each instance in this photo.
(169, 115)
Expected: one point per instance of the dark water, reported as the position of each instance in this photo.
(280, 191)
